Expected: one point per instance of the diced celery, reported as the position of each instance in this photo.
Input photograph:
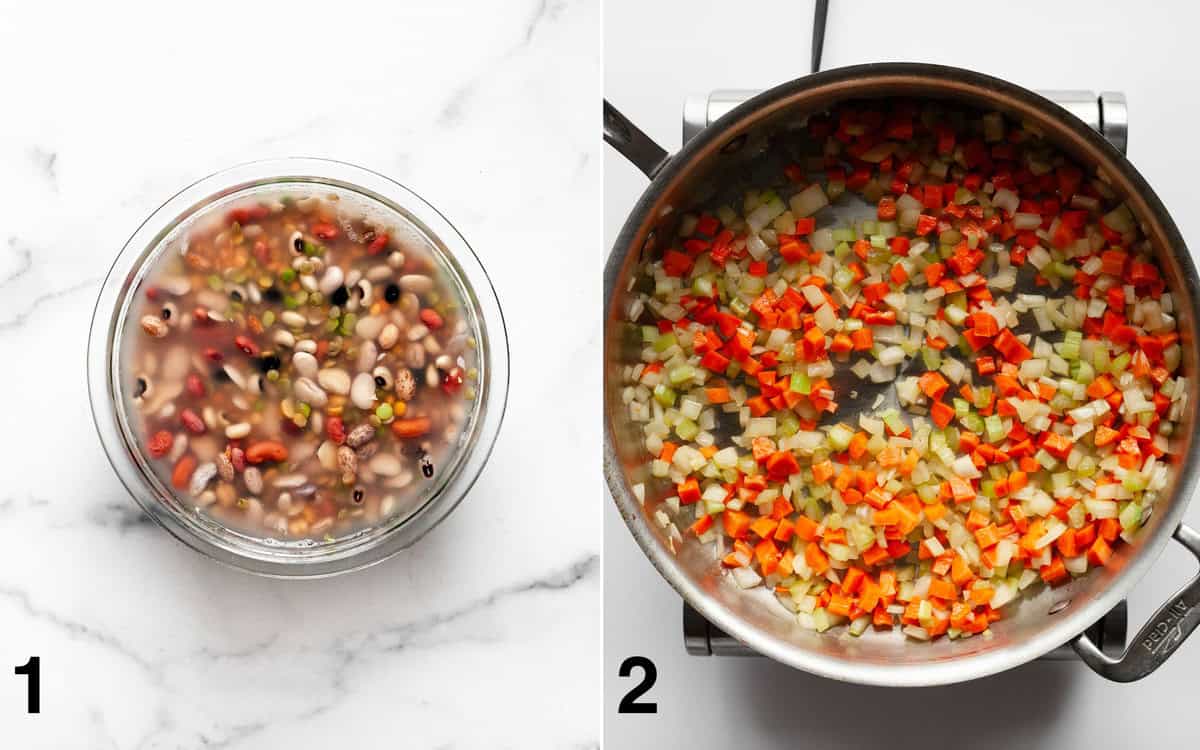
(844, 235)
(1134, 481)
(1131, 516)
(664, 394)
(839, 437)
(740, 307)
(995, 428)
(800, 383)
(1119, 364)
(788, 425)
(974, 423)
(983, 396)
(961, 408)
(1070, 345)
(686, 429)
(665, 342)
(681, 374)
(931, 357)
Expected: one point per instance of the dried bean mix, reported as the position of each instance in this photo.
(297, 374)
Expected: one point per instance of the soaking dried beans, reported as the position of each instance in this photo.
(295, 372)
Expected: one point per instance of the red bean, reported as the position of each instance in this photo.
(152, 293)
(378, 245)
(192, 421)
(183, 471)
(212, 355)
(452, 380)
(195, 385)
(245, 344)
(431, 318)
(261, 253)
(324, 230)
(201, 316)
(266, 450)
(237, 457)
(335, 429)
(160, 444)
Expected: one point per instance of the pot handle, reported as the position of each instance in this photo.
(632, 143)
(1158, 638)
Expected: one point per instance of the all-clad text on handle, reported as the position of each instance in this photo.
(1160, 636)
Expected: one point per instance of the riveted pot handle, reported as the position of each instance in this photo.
(632, 143)
(1158, 638)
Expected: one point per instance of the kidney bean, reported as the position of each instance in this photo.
(411, 428)
(192, 421)
(160, 444)
(261, 253)
(453, 379)
(335, 428)
(200, 315)
(431, 318)
(182, 472)
(212, 355)
(195, 385)
(378, 245)
(266, 450)
(324, 230)
(237, 457)
(247, 214)
(246, 345)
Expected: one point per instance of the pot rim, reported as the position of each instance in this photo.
(374, 544)
(865, 81)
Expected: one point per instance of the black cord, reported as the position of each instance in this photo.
(818, 37)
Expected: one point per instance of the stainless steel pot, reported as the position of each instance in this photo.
(741, 149)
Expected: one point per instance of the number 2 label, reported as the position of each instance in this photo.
(630, 703)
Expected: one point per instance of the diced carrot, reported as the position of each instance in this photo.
(717, 395)
(852, 580)
(942, 589)
(875, 555)
(1055, 573)
(688, 491)
(805, 528)
(667, 452)
(816, 558)
(1099, 553)
(702, 524)
(822, 471)
(942, 414)
(764, 526)
(858, 445)
(987, 535)
(736, 523)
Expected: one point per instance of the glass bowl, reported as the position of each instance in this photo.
(373, 194)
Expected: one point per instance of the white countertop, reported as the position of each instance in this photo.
(656, 54)
(483, 635)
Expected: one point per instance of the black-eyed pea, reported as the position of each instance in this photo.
(383, 378)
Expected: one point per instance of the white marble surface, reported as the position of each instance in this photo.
(656, 54)
(486, 633)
